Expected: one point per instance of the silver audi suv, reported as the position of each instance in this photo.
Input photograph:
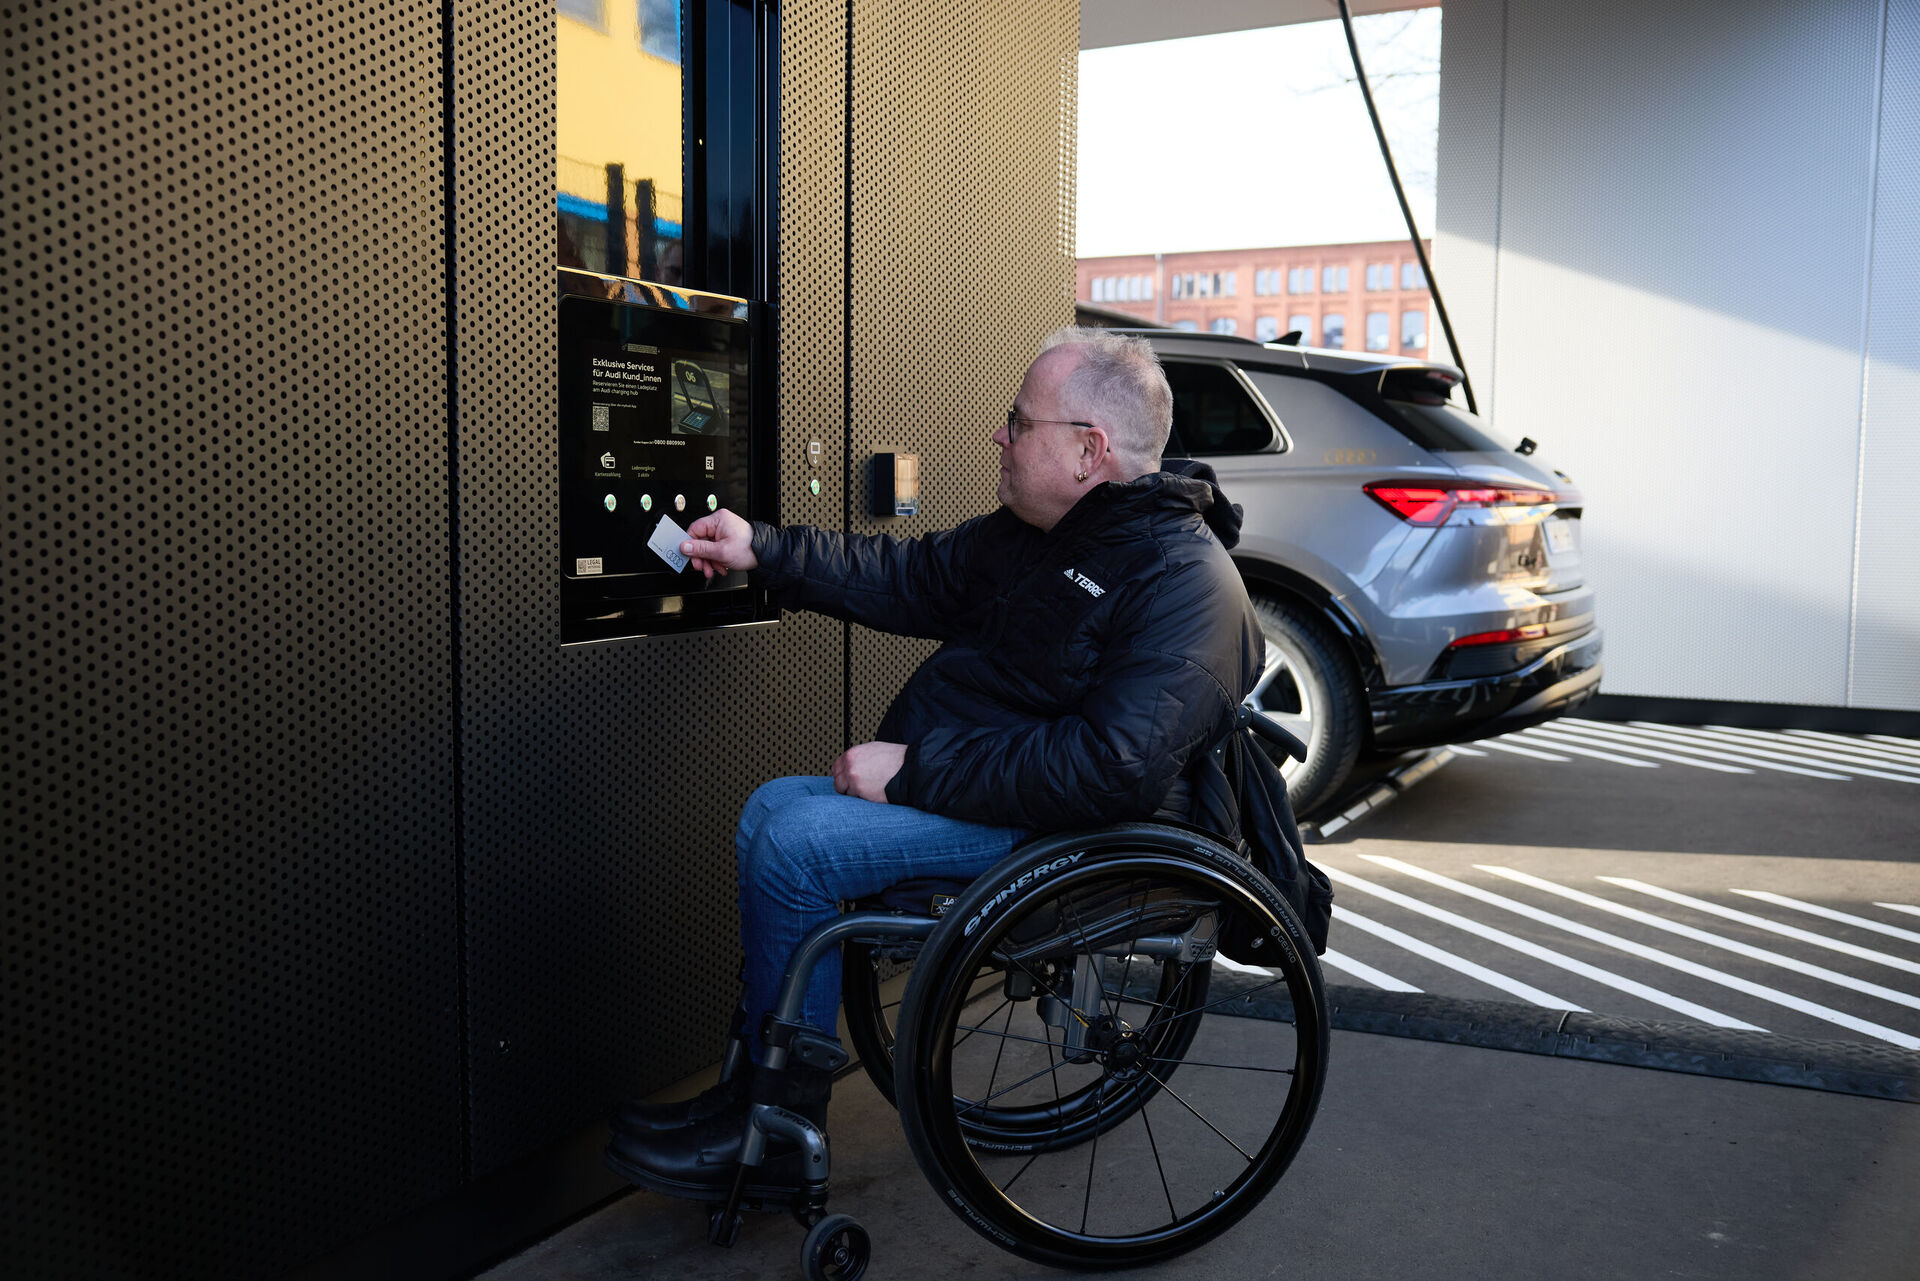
(1417, 575)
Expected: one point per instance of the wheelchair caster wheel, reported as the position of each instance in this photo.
(723, 1229)
(836, 1249)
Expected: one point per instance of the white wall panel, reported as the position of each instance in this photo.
(1886, 640)
(1467, 240)
(1684, 196)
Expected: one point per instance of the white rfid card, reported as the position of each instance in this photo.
(666, 541)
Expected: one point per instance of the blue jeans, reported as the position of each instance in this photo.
(803, 848)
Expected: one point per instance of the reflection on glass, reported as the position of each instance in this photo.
(1333, 330)
(1378, 335)
(621, 138)
(1413, 330)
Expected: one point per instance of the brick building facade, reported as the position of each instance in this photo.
(1363, 297)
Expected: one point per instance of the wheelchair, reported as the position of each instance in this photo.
(1072, 1076)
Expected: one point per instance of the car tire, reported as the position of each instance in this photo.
(1309, 685)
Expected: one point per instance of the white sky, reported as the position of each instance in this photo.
(1256, 138)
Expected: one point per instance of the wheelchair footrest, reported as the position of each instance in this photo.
(805, 1044)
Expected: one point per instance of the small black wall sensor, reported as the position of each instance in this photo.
(896, 484)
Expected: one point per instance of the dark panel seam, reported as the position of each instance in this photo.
(457, 728)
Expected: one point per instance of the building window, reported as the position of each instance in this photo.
(1379, 276)
(1186, 326)
(1379, 331)
(1266, 328)
(1333, 330)
(1300, 280)
(1224, 325)
(1413, 330)
(1227, 287)
(1333, 280)
(1411, 276)
(660, 28)
(1146, 288)
(1266, 281)
(1304, 324)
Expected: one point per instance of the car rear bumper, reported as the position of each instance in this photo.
(1457, 711)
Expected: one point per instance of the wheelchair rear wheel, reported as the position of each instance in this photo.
(1008, 1124)
(1100, 945)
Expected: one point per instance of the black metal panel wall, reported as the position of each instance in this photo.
(230, 941)
(332, 883)
(962, 226)
(600, 784)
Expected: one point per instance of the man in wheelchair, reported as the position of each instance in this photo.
(1095, 640)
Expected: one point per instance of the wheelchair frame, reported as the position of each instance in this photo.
(1146, 859)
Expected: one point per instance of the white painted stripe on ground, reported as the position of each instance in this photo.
(1560, 744)
(1422, 948)
(1761, 922)
(1465, 751)
(1845, 918)
(1364, 972)
(1711, 939)
(1900, 907)
(1818, 748)
(1898, 744)
(1576, 729)
(1899, 749)
(1526, 947)
(1773, 996)
(1768, 749)
(1624, 734)
(1517, 750)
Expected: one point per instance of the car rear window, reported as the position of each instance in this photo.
(1419, 403)
(1213, 412)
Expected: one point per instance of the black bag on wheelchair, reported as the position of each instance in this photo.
(1245, 799)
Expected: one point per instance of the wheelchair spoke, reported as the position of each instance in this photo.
(1173, 1215)
(1005, 1036)
(1225, 1000)
(990, 1013)
(998, 1051)
(1203, 1120)
(974, 1105)
(1093, 1155)
(1229, 1067)
(1059, 1124)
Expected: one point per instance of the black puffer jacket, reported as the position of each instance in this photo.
(1083, 671)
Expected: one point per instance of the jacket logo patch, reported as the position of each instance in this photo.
(1081, 580)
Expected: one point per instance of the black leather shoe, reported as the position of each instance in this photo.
(639, 1117)
(697, 1161)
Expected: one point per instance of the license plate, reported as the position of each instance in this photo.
(1559, 537)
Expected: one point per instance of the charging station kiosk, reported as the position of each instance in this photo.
(662, 421)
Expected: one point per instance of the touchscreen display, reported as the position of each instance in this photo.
(653, 436)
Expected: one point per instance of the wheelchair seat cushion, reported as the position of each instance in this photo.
(917, 895)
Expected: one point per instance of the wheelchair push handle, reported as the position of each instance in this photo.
(1271, 730)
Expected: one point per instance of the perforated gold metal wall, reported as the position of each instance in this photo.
(962, 227)
(230, 945)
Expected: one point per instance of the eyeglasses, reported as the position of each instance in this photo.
(1017, 424)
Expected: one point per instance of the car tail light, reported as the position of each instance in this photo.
(1432, 504)
(1533, 631)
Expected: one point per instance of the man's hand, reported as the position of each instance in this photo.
(719, 543)
(864, 771)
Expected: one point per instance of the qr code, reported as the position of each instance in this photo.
(603, 417)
